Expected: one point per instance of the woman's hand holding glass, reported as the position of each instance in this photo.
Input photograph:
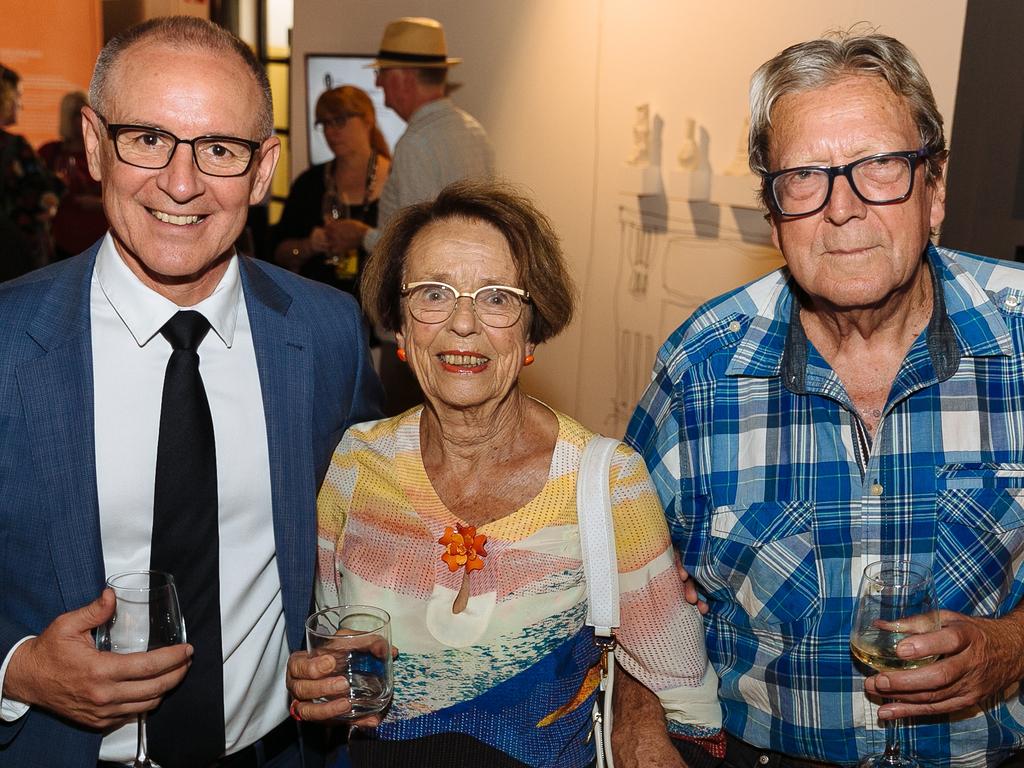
(346, 671)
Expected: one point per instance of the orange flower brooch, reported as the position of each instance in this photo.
(463, 548)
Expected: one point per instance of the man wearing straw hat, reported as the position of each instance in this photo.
(441, 144)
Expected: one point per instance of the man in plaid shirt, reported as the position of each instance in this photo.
(866, 402)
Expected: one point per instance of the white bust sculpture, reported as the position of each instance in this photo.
(688, 157)
(641, 154)
(740, 164)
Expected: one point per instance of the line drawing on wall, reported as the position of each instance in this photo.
(667, 267)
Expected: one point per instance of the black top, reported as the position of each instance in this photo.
(303, 210)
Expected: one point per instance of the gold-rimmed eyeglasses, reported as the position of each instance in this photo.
(498, 306)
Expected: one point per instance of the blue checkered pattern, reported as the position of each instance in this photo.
(777, 498)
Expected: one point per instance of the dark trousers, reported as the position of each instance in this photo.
(739, 754)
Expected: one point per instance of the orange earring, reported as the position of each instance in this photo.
(400, 354)
(528, 360)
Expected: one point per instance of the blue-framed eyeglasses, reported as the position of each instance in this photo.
(881, 179)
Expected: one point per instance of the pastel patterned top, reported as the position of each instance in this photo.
(517, 670)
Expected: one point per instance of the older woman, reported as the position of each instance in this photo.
(347, 187)
(497, 666)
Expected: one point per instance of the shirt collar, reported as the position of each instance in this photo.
(964, 323)
(437, 105)
(144, 311)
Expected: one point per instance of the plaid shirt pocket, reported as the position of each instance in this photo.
(762, 556)
(979, 537)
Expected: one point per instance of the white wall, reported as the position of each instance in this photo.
(556, 83)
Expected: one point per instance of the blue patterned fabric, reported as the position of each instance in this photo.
(777, 497)
(505, 715)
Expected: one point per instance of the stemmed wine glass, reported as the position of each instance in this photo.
(336, 206)
(147, 617)
(897, 599)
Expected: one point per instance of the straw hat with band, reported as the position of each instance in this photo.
(413, 42)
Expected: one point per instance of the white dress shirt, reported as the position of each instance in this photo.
(129, 360)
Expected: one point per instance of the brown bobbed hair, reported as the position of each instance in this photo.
(531, 239)
(349, 100)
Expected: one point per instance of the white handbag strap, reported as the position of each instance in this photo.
(597, 535)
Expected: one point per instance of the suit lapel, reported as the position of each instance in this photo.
(284, 360)
(57, 394)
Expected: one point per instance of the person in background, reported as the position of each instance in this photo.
(497, 667)
(347, 187)
(79, 221)
(28, 192)
(170, 405)
(863, 403)
(441, 144)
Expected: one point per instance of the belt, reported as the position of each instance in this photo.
(257, 754)
(739, 754)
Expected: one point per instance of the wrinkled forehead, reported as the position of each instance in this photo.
(855, 113)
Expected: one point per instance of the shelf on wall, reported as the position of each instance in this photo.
(640, 180)
(735, 191)
(694, 186)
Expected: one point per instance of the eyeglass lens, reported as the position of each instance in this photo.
(877, 180)
(150, 148)
(435, 303)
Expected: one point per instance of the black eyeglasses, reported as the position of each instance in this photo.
(887, 177)
(498, 306)
(152, 148)
(335, 121)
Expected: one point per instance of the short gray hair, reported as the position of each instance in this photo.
(187, 32)
(819, 63)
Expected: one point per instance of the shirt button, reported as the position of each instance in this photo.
(734, 326)
(1011, 301)
(763, 759)
(876, 489)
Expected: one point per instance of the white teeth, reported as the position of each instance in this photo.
(463, 359)
(179, 220)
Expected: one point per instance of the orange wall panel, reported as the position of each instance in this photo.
(53, 45)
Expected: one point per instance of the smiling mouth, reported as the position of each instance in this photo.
(180, 221)
(463, 360)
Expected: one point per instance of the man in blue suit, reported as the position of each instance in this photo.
(180, 134)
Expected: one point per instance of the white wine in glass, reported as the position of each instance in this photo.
(896, 600)
(147, 617)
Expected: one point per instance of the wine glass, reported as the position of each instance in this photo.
(147, 616)
(335, 207)
(359, 639)
(897, 599)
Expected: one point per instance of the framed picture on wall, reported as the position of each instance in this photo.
(330, 70)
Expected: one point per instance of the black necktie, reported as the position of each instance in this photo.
(187, 729)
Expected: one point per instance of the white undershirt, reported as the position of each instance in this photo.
(129, 360)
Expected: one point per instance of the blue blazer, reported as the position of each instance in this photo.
(316, 378)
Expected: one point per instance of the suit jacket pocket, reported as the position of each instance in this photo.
(763, 557)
